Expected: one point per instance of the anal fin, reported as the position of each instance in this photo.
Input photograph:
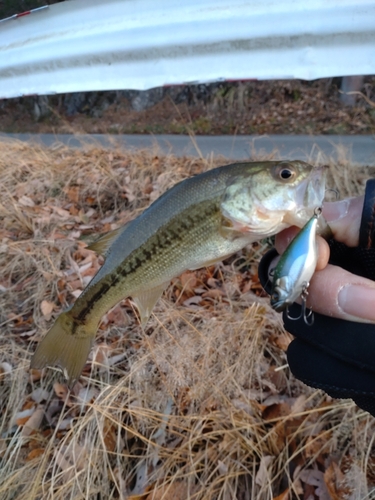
(146, 300)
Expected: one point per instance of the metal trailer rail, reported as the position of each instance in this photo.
(139, 44)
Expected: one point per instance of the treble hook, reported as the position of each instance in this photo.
(317, 213)
(306, 313)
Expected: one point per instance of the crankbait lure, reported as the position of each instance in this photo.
(294, 270)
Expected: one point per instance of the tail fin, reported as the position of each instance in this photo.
(66, 345)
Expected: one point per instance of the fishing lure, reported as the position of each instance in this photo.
(292, 274)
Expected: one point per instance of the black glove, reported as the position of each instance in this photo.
(336, 355)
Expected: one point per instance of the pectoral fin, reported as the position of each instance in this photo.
(102, 244)
(146, 300)
(230, 230)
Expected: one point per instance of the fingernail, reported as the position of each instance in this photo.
(335, 210)
(358, 301)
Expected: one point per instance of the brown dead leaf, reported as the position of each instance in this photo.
(73, 193)
(283, 496)
(335, 482)
(179, 490)
(117, 316)
(109, 435)
(35, 375)
(281, 340)
(36, 453)
(61, 390)
(215, 293)
(315, 445)
(22, 421)
(276, 411)
(188, 281)
(73, 210)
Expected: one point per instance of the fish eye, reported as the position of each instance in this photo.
(284, 172)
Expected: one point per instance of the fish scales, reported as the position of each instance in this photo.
(197, 222)
(188, 241)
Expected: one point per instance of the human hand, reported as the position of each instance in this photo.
(335, 291)
(337, 352)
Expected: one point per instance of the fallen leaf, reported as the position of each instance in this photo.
(263, 476)
(23, 416)
(71, 459)
(188, 281)
(36, 453)
(275, 411)
(34, 422)
(315, 477)
(283, 496)
(26, 201)
(110, 437)
(73, 193)
(196, 299)
(179, 490)
(5, 368)
(61, 390)
(35, 375)
(38, 395)
(64, 214)
(47, 307)
(335, 482)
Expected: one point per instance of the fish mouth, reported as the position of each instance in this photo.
(310, 195)
(315, 188)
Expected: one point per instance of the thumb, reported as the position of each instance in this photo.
(344, 218)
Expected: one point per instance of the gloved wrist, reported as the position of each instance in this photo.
(336, 355)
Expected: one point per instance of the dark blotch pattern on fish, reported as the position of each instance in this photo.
(162, 241)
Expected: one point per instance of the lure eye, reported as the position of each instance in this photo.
(284, 173)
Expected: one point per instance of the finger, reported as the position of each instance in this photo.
(285, 237)
(344, 218)
(338, 293)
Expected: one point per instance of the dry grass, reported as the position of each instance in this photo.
(197, 405)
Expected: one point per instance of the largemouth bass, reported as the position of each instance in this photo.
(199, 221)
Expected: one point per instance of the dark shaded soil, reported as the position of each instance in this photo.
(255, 107)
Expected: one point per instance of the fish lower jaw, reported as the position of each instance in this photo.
(298, 218)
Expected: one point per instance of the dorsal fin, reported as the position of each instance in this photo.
(102, 244)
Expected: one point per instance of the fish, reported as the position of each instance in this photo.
(198, 222)
(294, 270)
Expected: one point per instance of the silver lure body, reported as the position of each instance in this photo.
(295, 267)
